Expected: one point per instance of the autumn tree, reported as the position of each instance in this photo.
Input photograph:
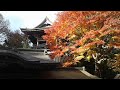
(76, 35)
(14, 39)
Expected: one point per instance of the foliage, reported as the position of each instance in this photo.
(4, 25)
(4, 28)
(14, 39)
(77, 34)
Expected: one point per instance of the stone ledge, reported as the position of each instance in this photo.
(117, 76)
(87, 74)
(90, 75)
(34, 50)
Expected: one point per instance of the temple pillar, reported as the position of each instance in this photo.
(26, 42)
(37, 42)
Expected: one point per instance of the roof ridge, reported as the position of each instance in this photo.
(43, 22)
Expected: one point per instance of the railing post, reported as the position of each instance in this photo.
(83, 68)
(95, 57)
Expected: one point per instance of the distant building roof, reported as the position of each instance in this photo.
(46, 23)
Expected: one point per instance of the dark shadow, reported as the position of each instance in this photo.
(103, 70)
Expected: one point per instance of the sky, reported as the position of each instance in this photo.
(27, 19)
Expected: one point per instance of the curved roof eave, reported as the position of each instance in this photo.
(43, 22)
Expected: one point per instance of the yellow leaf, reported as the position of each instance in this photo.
(79, 58)
(72, 37)
(97, 39)
(90, 52)
(81, 54)
(89, 57)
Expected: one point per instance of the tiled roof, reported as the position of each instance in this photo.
(46, 23)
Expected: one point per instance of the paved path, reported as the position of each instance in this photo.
(51, 74)
(64, 74)
(30, 56)
(39, 55)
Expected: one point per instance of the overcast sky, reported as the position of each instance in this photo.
(27, 19)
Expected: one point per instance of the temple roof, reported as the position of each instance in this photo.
(46, 23)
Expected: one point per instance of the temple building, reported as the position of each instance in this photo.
(35, 34)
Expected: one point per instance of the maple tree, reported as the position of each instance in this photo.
(75, 35)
